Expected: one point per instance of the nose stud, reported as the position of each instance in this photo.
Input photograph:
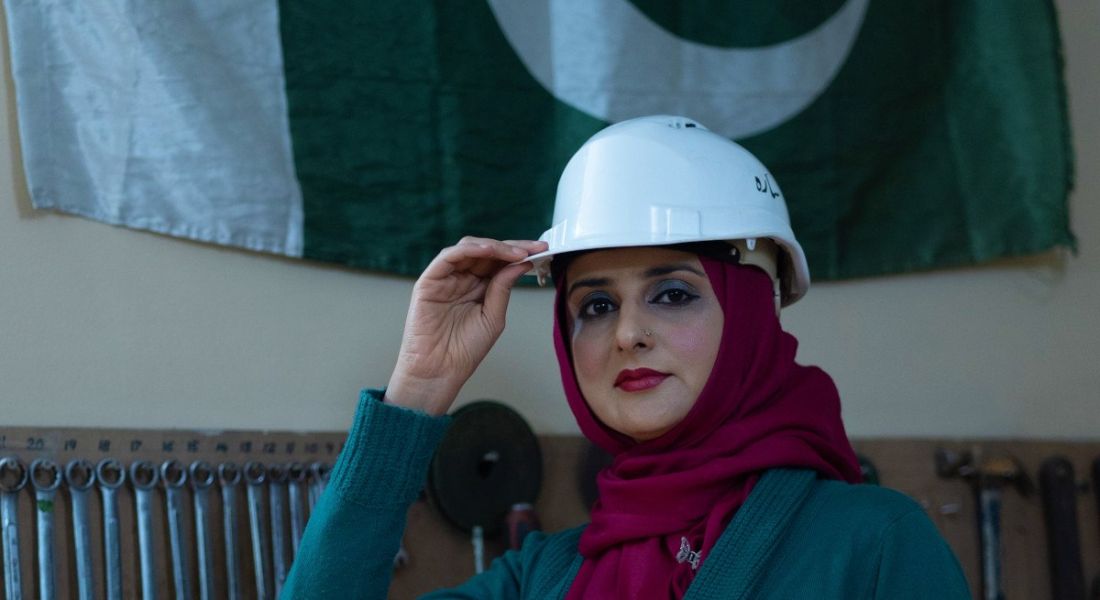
(647, 332)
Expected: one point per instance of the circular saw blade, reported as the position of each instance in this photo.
(488, 460)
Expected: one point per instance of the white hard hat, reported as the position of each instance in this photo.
(662, 180)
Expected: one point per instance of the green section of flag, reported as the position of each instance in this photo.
(942, 141)
(414, 124)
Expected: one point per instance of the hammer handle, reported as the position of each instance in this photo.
(989, 511)
(1058, 487)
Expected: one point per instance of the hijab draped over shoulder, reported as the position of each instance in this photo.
(758, 410)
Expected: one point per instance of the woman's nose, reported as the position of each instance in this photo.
(631, 333)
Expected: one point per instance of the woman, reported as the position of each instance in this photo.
(671, 253)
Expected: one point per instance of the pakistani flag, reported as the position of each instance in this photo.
(906, 135)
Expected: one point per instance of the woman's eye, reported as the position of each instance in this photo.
(674, 296)
(596, 307)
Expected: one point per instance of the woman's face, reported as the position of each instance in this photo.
(645, 327)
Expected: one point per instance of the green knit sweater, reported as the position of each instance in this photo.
(795, 537)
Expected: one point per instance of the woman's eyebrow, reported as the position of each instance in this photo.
(650, 273)
(590, 282)
(666, 269)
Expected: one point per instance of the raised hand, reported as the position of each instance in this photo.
(456, 314)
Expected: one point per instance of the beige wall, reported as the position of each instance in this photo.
(102, 326)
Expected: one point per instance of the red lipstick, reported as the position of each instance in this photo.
(637, 380)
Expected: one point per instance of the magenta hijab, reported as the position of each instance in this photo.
(758, 410)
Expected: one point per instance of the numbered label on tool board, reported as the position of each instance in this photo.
(151, 444)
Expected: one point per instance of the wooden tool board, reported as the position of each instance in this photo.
(442, 556)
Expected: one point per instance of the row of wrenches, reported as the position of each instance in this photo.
(288, 488)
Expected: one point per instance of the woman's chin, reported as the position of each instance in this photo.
(644, 431)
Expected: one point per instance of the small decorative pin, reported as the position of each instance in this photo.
(687, 555)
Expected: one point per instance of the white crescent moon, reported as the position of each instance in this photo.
(607, 59)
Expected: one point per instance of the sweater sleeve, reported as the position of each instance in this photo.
(916, 563)
(355, 529)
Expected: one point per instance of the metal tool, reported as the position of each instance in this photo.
(46, 477)
(318, 479)
(80, 477)
(229, 477)
(1095, 472)
(13, 478)
(111, 474)
(1059, 490)
(296, 478)
(174, 476)
(477, 540)
(202, 479)
(401, 559)
(256, 475)
(276, 493)
(144, 477)
(988, 475)
(520, 521)
(868, 470)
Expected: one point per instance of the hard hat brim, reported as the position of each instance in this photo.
(797, 275)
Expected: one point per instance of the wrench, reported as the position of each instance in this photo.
(255, 474)
(202, 478)
(276, 492)
(296, 476)
(229, 477)
(144, 477)
(174, 476)
(46, 477)
(80, 476)
(111, 475)
(318, 479)
(13, 477)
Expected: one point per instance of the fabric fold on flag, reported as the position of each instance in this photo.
(165, 116)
